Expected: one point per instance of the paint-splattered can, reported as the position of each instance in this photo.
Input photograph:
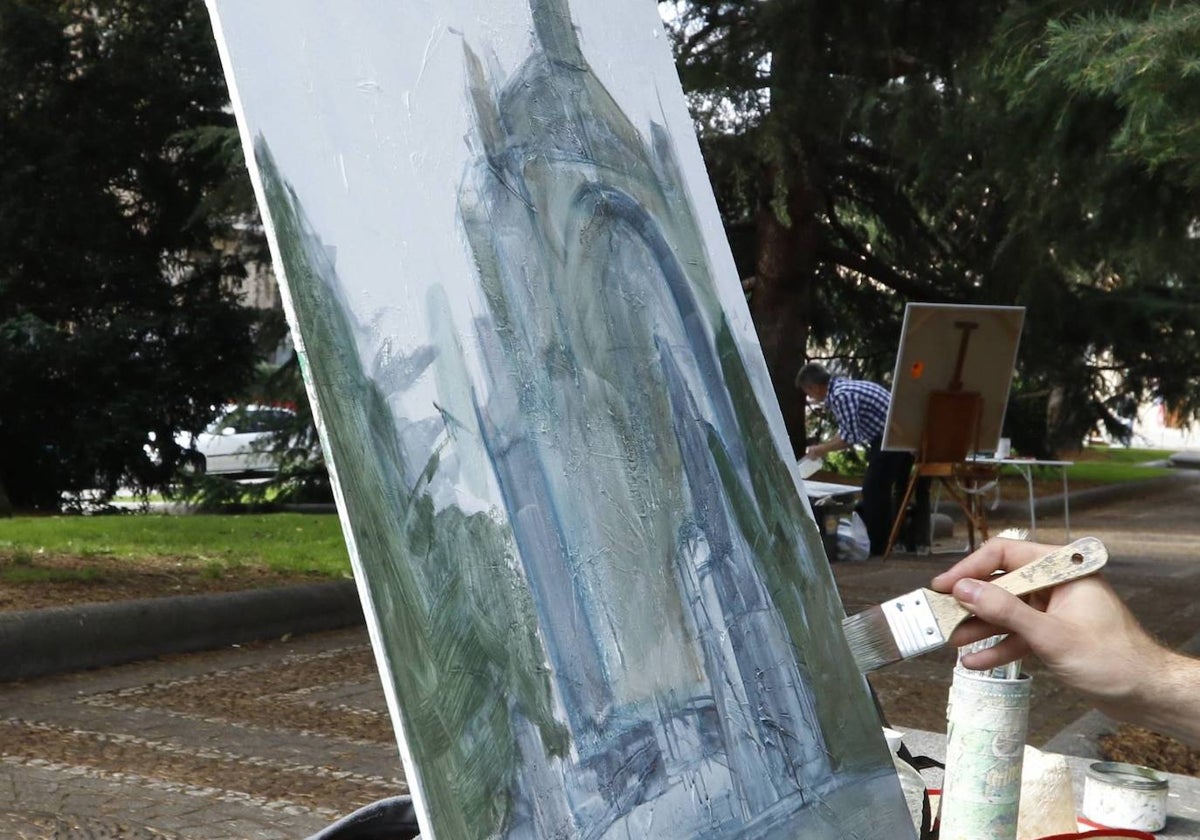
(1118, 795)
(987, 720)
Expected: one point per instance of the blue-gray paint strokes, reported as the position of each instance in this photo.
(682, 598)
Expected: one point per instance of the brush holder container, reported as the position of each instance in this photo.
(987, 722)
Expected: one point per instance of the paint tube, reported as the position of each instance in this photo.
(987, 721)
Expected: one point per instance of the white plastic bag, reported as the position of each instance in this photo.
(808, 466)
(853, 544)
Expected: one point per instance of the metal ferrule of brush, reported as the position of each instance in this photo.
(913, 623)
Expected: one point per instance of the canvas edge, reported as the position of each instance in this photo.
(412, 776)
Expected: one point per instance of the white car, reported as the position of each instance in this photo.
(240, 440)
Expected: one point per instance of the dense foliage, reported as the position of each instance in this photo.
(867, 154)
(119, 313)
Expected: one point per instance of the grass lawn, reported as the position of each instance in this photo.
(1092, 466)
(284, 542)
(312, 543)
(1112, 465)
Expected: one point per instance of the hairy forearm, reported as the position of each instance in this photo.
(1165, 699)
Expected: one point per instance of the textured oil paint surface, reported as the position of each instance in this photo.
(600, 607)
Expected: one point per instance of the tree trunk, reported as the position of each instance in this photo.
(781, 302)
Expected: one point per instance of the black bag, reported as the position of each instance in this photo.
(388, 819)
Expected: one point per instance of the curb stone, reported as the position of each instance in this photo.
(57, 640)
(1051, 505)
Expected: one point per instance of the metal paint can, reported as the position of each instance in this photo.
(987, 721)
(1119, 795)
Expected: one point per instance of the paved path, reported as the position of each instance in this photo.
(277, 740)
(265, 741)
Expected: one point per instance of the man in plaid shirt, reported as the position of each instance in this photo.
(860, 410)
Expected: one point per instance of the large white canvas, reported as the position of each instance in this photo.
(599, 604)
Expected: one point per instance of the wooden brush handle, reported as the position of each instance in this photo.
(1080, 558)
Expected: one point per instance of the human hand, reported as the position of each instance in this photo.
(815, 451)
(1080, 630)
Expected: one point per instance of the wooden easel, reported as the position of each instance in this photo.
(950, 433)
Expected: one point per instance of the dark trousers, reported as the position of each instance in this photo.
(883, 489)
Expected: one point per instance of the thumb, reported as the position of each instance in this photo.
(998, 607)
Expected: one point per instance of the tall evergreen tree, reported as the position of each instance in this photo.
(1093, 130)
(873, 153)
(119, 309)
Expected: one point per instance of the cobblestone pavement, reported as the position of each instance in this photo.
(266, 741)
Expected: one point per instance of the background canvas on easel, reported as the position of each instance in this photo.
(599, 603)
(930, 341)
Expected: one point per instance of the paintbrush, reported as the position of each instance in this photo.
(923, 620)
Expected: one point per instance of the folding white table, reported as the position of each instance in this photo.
(1024, 467)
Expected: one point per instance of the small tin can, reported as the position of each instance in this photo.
(1119, 795)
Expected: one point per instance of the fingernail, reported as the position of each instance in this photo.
(967, 590)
